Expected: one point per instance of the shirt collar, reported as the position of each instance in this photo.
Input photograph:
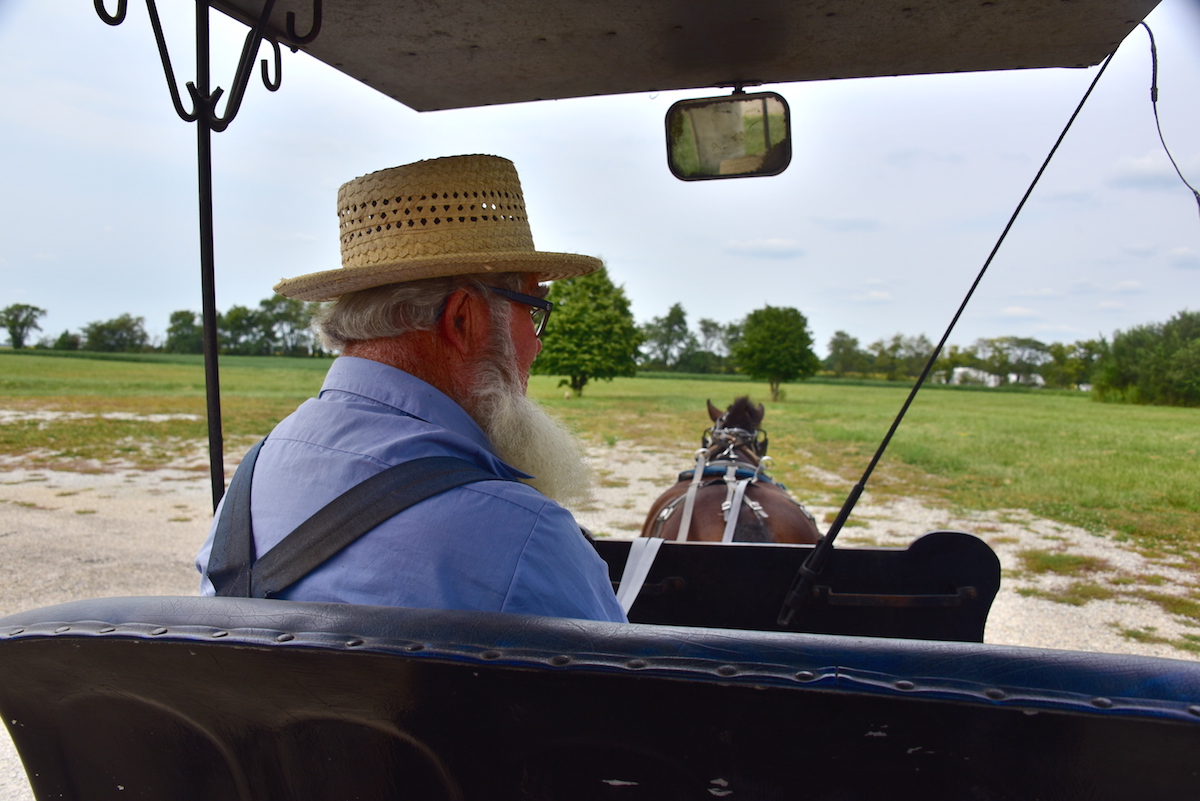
(386, 385)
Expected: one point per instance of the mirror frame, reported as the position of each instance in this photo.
(675, 119)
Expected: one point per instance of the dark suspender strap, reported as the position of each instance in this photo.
(354, 513)
(233, 544)
(339, 523)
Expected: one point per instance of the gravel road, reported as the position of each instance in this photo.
(73, 535)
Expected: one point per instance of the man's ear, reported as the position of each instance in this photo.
(466, 322)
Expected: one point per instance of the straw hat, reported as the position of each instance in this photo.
(441, 217)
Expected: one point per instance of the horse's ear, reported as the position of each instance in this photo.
(762, 412)
(713, 411)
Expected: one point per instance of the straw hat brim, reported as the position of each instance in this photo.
(331, 284)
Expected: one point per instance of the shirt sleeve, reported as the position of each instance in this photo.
(560, 574)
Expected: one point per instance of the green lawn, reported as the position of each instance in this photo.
(1102, 466)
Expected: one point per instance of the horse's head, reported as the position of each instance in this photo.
(737, 428)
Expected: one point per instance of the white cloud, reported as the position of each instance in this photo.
(915, 156)
(1186, 258)
(848, 224)
(765, 248)
(1019, 311)
(872, 296)
(1141, 250)
(1128, 287)
(1044, 292)
(1074, 198)
(1152, 172)
(1110, 305)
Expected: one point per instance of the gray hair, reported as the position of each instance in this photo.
(396, 309)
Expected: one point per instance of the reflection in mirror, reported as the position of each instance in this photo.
(729, 137)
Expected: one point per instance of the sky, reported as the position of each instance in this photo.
(897, 191)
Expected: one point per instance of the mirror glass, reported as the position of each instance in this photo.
(729, 137)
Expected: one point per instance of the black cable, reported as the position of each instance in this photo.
(1154, 105)
(815, 562)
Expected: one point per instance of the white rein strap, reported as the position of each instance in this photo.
(734, 508)
(637, 566)
(690, 499)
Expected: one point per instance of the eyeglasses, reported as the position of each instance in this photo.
(539, 308)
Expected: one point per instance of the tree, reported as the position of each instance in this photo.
(68, 340)
(20, 319)
(887, 358)
(668, 339)
(776, 346)
(1157, 363)
(284, 322)
(124, 334)
(1012, 356)
(591, 333)
(239, 331)
(712, 336)
(844, 355)
(1070, 366)
(185, 333)
(952, 358)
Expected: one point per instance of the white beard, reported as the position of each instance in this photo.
(522, 433)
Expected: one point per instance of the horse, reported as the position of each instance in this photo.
(727, 482)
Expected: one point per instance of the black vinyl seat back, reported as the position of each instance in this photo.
(193, 699)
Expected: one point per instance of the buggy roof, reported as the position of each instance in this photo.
(438, 54)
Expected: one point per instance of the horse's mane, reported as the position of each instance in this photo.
(742, 413)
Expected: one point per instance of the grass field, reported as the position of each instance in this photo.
(1131, 469)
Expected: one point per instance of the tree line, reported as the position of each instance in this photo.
(278, 326)
(1157, 363)
(594, 336)
(994, 361)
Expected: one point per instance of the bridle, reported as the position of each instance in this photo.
(722, 442)
(722, 445)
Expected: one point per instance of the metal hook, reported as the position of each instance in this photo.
(241, 77)
(115, 19)
(186, 116)
(274, 85)
(291, 26)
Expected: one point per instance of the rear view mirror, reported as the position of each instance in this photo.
(729, 137)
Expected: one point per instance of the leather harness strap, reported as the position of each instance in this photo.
(235, 572)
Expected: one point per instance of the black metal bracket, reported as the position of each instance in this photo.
(204, 104)
(204, 112)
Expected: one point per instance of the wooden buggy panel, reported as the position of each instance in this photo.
(191, 698)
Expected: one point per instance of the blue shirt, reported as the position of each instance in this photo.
(497, 546)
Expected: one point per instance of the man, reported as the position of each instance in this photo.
(437, 314)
